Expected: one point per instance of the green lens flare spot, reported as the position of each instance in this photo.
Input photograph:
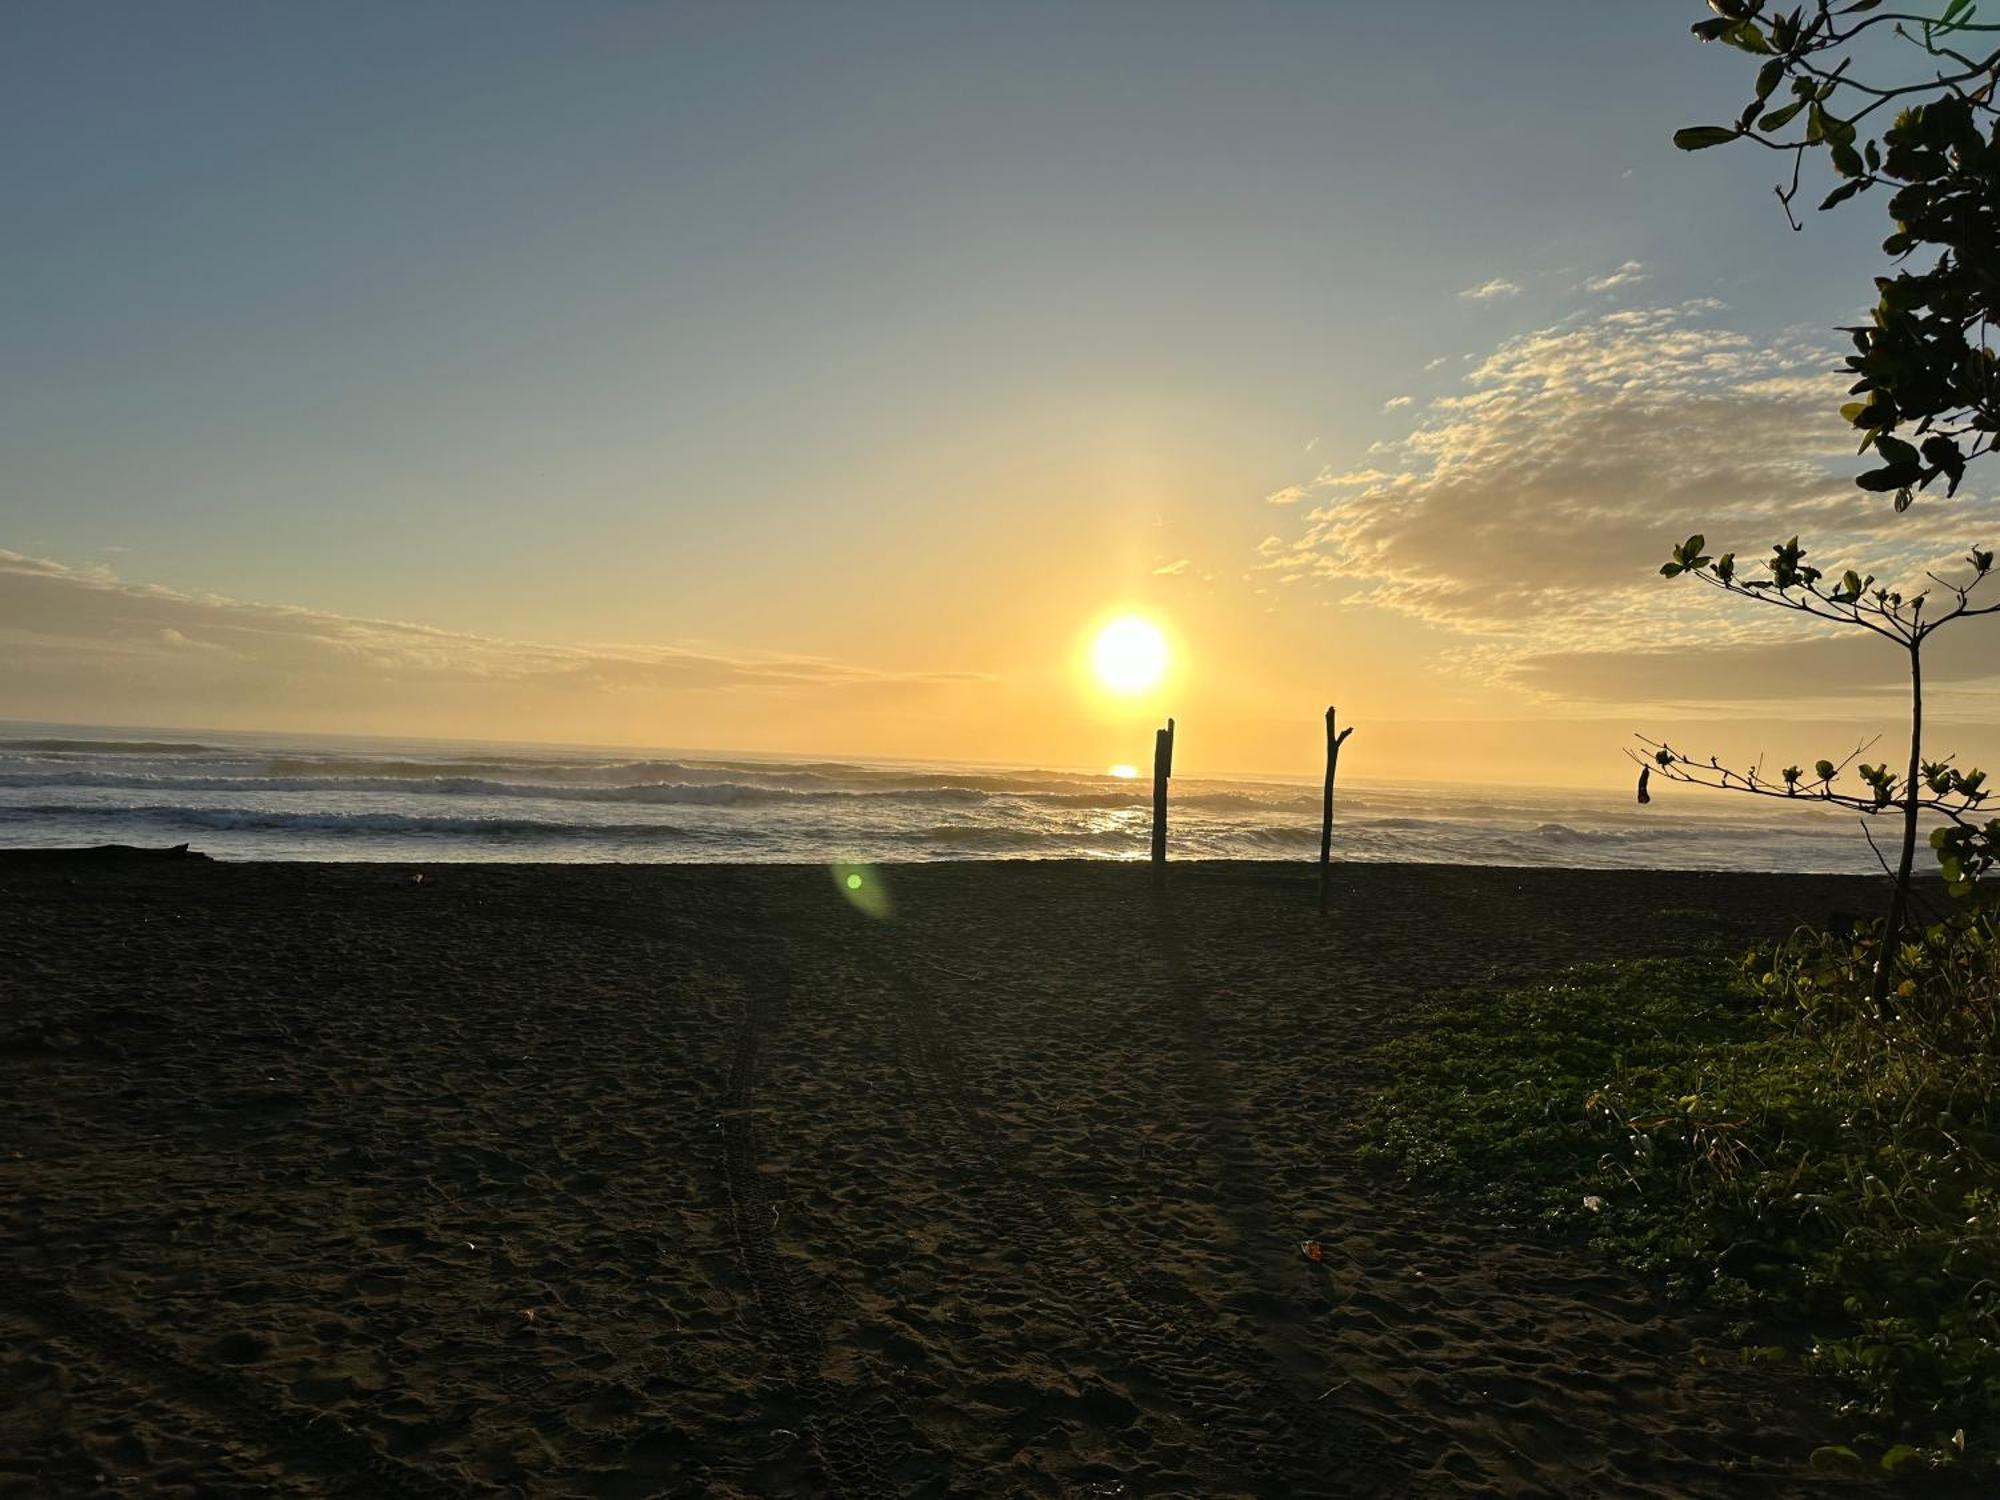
(863, 889)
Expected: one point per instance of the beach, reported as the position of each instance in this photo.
(954, 1179)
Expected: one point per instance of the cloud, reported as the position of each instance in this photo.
(86, 644)
(1396, 402)
(1486, 291)
(1530, 510)
(1291, 494)
(1629, 274)
(1172, 569)
(1754, 673)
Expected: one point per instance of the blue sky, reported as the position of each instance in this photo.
(898, 335)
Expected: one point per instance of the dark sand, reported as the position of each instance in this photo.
(631, 1181)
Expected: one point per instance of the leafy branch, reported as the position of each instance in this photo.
(1925, 362)
(1854, 599)
(1966, 847)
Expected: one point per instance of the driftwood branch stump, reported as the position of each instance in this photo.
(1163, 768)
(1333, 743)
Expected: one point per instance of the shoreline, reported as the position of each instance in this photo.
(100, 853)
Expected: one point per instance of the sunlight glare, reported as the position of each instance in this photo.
(1123, 773)
(1129, 655)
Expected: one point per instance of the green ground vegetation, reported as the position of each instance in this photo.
(1751, 1135)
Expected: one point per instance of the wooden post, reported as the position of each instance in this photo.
(1163, 767)
(1333, 744)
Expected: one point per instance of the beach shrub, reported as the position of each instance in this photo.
(1752, 1137)
(1967, 842)
(1904, 101)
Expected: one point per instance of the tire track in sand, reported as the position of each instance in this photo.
(313, 1444)
(1265, 1429)
(860, 1435)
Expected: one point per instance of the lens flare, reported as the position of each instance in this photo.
(864, 889)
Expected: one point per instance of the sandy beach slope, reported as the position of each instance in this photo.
(627, 1181)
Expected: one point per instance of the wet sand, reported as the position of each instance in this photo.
(627, 1181)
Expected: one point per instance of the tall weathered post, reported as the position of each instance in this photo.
(1163, 767)
(1333, 744)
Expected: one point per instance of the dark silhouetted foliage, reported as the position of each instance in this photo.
(1924, 365)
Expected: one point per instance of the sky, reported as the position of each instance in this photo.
(816, 378)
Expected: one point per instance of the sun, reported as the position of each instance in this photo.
(1129, 655)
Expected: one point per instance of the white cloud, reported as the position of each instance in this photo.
(1629, 274)
(1172, 569)
(1530, 510)
(1394, 403)
(1486, 291)
(1291, 494)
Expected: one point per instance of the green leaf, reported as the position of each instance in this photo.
(1835, 1459)
(1896, 451)
(1671, 570)
(1768, 78)
(1749, 36)
(1842, 193)
(1701, 137)
(1953, 13)
(1779, 118)
(1900, 1457)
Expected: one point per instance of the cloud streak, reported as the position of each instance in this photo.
(1529, 511)
(1629, 274)
(81, 641)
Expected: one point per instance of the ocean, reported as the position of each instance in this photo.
(299, 797)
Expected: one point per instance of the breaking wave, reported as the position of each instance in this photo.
(659, 793)
(260, 798)
(246, 819)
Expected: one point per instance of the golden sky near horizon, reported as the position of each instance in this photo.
(514, 380)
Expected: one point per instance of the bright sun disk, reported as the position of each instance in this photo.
(1129, 655)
